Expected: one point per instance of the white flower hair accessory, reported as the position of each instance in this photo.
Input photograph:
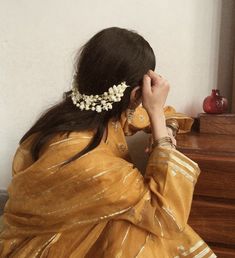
(100, 102)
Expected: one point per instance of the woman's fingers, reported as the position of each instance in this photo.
(154, 92)
(154, 77)
(146, 85)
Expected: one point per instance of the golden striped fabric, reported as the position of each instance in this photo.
(100, 205)
(140, 120)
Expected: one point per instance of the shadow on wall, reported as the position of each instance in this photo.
(136, 145)
(3, 199)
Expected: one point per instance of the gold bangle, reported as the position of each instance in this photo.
(174, 132)
(163, 141)
(173, 124)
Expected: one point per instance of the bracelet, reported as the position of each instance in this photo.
(173, 124)
(163, 141)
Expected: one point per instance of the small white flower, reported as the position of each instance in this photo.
(111, 90)
(109, 105)
(98, 108)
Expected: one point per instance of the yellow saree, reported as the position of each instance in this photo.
(100, 206)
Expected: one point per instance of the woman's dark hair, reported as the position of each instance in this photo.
(111, 56)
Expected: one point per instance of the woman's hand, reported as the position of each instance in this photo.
(154, 92)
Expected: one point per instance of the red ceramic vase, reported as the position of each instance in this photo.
(215, 103)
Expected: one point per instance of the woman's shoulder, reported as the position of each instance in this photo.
(60, 144)
(99, 158)
(64, 142)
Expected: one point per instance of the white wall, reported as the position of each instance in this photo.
(39, 40)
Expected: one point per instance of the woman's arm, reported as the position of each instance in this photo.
(168, 201)
(169, 181)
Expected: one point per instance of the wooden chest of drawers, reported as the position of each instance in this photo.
(213, 209)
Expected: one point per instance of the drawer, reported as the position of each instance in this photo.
(223, 252)
(213, 221)
(217, 178)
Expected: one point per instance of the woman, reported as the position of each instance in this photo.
(75, 191)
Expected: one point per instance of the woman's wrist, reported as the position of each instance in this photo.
(158, 125)
(155, 112)
(163, 141)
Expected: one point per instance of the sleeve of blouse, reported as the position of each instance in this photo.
(169, 182)
(159, 202)
(139, 120)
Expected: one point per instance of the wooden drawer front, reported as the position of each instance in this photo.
(214, 182)
(213, 221)
(217, 178)
(223, 252)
